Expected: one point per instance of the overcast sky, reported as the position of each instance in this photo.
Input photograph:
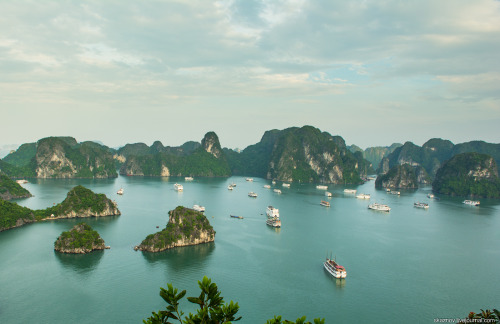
(373, 72)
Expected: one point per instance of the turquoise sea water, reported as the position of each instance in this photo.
(408, 265)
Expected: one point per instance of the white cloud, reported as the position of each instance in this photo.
(101, 54)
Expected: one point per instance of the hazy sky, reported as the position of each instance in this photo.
(374, 72)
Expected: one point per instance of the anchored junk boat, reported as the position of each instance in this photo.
(421, 205)
(471, 202)
(380, 207)
(273, 217)
(335, 269)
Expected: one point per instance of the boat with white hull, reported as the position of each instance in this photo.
(471, 202)
(421, 205)
(335, 269)
(199, 208)
(380, 207)
(273, 217)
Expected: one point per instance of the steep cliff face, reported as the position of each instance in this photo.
(468, 174)
(308, 155)
(210, 143)
(192, 159)
(300, 154)
(185, 227)
(375, 154)
(65, 158)
(80, 239)
(398, 177)
(434, 153)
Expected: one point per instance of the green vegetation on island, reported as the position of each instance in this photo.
(192, 159)
(80, 239)
(10, 189)
(375, 154)
(468, 174)
(185, 227)
(60, 157)
(300, 154)
(434, 153)
(398, 177)
(22, 156)
(79, 202)
(12, 215)
(211, 308)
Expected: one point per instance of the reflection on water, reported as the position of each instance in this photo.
(80, 263)
(339, 283)
(181, 257)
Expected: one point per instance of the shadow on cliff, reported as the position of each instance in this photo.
(80, 263)
(180, 258)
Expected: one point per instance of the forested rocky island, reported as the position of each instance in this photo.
(302, 154)
(185, 227)
(80, 239)
(192, 159)
(10, 189)
(468, 174)
(60, 157)
(399, 177)
(79, 202)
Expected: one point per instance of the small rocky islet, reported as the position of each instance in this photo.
(80, 239)
(185, 227)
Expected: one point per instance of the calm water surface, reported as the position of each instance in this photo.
(409, 265)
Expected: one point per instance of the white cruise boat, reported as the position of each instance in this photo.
(328, 194)
(350, 191)
(188, 178)
(321, 187)
(267, 186)
(249, 179)
(431, 196)
(120, 192)
(324, 203)
(230, 187)
(199, 208)
(286, 185)
(178, 187)
(471, 202)
(395, 192)
(335, 269)
(363, 196)
(277, 191)
(421, 205)
(273, 217)
(379, 207)
(22, 181)
(252, 194)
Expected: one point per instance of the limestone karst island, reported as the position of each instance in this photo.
(185, 227)
(80, 239)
